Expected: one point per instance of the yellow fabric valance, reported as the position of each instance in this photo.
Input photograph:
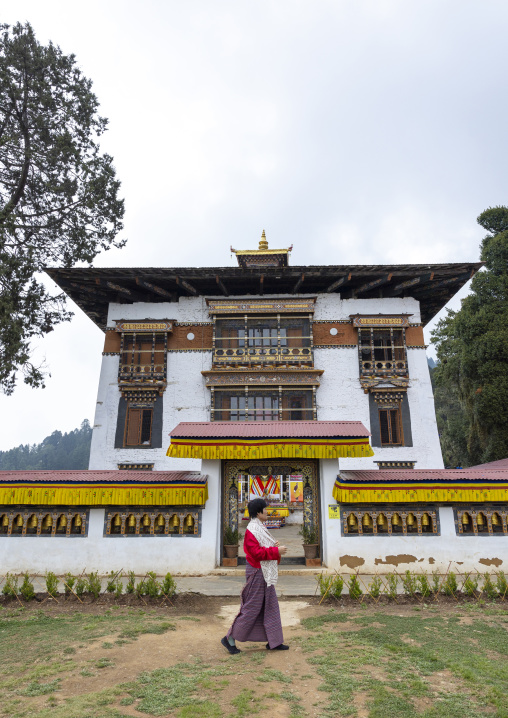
(109, 495)
(348, 493)
(191, 448)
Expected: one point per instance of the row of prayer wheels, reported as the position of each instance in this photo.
(47, 523)
(382, 522)
(159, 524)
(481, 522)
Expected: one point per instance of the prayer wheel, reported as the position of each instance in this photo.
(367, 521)
(175, 522)
(5, 520)
(146, 520)
(62, 522)
(425, 521)
(480, 521)
(117, 521)
(189, 524)
(410, 520)
(78, 521)
(160, 520)
(396, 520)
(131, 522)
(381, 521)
(465, 519)
(19, 521)
(352, 521)
(32, 524)
(47, 522)
(495, 519)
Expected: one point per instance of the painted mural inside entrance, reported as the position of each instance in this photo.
(291, 491)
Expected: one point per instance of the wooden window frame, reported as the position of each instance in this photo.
(389, 409)
(139, 411)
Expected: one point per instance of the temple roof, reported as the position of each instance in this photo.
(113, 476)
(433, 285)
(267, 429)
(413, 476)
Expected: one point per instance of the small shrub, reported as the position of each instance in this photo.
(375, 587)
(111, 582)
(81, 585)
(27, 588)
(152, 585)
(330, 585)
(51, 583)
(131, 583)
(93, 584)
(501, 584)
(118, 588)
(69, 583)
(10, 587)
(140, 589)
(470, 586)
(409, 583)
(488, 587)
(436, 582)
(309, 535)
(423, 584)
(168, 587)
(355, 590)
(231, 536)
(450, 584)
(393, 582)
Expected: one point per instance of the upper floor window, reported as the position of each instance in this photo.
(382, 352)
(143, 357)
(260, 405)
(263, 340)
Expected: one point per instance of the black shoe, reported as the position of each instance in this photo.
(280, 647)
(232, 649)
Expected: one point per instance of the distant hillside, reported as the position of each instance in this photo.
(58, 451)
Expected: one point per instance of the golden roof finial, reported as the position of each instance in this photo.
(263, 244)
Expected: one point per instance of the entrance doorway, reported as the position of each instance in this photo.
(291, 489)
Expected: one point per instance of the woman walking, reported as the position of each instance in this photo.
(259, 616)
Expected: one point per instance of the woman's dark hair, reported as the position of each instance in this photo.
(256, 507)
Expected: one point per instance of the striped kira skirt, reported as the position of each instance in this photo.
(259, 616)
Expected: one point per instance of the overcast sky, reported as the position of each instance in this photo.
(359, 131)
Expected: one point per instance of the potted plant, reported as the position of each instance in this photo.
(310, 541)
(231, 538)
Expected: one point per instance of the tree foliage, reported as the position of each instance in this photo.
(451, 424)
(472, 346)
(58, 451)
(58, 194)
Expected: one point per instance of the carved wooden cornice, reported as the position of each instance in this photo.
(261, 306)
(262, 377)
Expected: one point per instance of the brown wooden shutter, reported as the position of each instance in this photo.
(394, 422)
(384, 426)
(133, 427)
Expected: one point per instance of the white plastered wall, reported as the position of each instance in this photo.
(186, 397)
(384, 554)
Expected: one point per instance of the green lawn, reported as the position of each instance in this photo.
(429, 661)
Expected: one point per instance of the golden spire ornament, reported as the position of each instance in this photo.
(263, 244)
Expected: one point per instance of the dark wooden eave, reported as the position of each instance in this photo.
(433, 285)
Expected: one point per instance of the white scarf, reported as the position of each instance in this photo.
(265, 539)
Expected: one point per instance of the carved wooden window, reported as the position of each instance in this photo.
(382, 352)
(143, 357)
(390, 520)
(263, 340)
(391, 426)
(257, 405)
(138, 426)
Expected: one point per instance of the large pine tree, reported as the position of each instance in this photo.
(472, 347)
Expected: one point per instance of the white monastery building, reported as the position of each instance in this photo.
(306, 385)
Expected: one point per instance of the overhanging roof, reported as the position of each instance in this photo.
(103, 488)
(476, 485)
(93, 289)
(269, 440)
